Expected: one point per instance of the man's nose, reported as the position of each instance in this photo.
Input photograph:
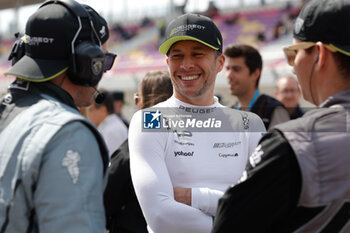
(187, 63)
(229, 75)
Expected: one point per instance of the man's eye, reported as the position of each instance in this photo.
(176, 56)
(198, 54)
(237, 69)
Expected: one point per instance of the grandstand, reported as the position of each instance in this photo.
(139, 54)
(137, 45)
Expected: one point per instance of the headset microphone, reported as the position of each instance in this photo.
(98, 96)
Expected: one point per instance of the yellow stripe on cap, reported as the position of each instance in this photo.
(38, 80)
(165, 46)
(340, 50)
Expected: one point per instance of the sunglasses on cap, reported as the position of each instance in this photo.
(290, 51)
(109, 61)
(136, 98)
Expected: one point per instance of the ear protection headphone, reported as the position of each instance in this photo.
(87, 60)
(17, 51)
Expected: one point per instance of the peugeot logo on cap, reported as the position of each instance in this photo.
(97, 65)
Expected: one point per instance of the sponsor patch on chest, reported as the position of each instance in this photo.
(183, 153)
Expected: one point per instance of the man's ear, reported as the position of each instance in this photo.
(256, 74)
(322, 55)
(221, 62)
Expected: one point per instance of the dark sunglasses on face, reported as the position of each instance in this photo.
(109, 61)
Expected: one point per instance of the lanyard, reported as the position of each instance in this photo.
(257, 92)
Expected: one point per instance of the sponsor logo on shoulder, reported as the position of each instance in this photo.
(245, 120)
(255, 158)
(71, 161)
(243, 178)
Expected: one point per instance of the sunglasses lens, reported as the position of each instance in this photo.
(136, 98)
(290, 56)
(109, 60)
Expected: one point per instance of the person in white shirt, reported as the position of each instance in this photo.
(112, 128)
(185, 152)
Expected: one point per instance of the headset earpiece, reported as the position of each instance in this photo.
(87, 59)
(89, 63)
(18, 49)
(317, 58)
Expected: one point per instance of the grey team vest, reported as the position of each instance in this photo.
(22, 144)
(321, 142)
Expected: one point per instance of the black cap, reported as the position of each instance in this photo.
(325, 21)
(48, 43)
(100, 24)
(192, 27)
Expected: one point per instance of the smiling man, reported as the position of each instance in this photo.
(180, 171)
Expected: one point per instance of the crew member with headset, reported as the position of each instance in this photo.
(53, 160)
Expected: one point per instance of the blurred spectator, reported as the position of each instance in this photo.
(288, 7)
(111, 127)
(153, 89)
(180, 9)
(123, 211)
(146, 22)
(234, 19)
(161, 30)
(118, 29)
(278, 29)
(303, 3)
(261, 36)
(118, 102)
(125, 33)
(244, 66)
(212, 10)
(287, 91)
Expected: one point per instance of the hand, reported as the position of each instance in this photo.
(183, 195)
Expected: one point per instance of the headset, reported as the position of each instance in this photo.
(87, 58)
(17, 51)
